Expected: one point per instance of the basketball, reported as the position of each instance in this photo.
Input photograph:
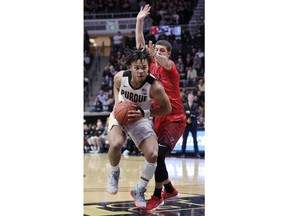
(121, 112)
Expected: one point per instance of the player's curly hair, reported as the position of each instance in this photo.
(133, 55)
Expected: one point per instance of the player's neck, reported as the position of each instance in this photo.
(135, 84)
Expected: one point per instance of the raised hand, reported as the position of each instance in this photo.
(151, 48)
(144, 12)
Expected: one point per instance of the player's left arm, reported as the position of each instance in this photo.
(157, 92)
(143, 13)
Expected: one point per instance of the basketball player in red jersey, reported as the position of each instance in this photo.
(168, 128)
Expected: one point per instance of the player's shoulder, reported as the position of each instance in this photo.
(119, 74)
(150, 78)
(156, 85)
(173, 64)
(126, 73)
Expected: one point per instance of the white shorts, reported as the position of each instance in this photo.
(138, 131)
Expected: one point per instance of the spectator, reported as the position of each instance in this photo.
(105, 85)
(191, 110)
(87, 133)
(162, 36)
(117, 44)
(200, 101)
(198, 39)
(103, 139)
(186, 39)
(191, 77)
(108, 71)
(197, 64)
(175, 17)
(97, 106)
(199, 55)
(201, 123)
(201, 86)
(181, 71)
(175, 55)
(130, 40)
(108, 103)
(188, 60)
(183, 95)
(101, 96)
(96, 136)
(172, 39)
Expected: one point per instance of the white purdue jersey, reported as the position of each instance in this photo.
(140, 96)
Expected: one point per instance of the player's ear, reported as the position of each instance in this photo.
(169, 53)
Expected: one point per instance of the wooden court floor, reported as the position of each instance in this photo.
(187, 175)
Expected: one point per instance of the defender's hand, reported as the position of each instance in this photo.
(144, 12)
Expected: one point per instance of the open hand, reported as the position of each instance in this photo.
(144, 12)
(151, 48)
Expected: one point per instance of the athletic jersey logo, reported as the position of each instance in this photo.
(141, 95)
(144, 91)
(135, 98)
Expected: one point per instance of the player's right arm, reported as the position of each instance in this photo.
(116, 87)
(143, 13)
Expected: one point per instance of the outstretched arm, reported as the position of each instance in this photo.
(143, 13)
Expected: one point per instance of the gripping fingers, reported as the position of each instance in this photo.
(134, 116)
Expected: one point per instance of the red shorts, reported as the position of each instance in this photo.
(170, 128)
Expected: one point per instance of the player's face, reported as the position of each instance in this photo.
(139, 70)
(162, 50)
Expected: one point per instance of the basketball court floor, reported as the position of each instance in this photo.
(187, 175)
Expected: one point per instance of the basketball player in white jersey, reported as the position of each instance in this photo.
(141, 88)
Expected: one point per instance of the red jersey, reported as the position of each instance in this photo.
(170, 81)
(171, 127)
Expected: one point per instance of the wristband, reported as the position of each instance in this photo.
(145, 113)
